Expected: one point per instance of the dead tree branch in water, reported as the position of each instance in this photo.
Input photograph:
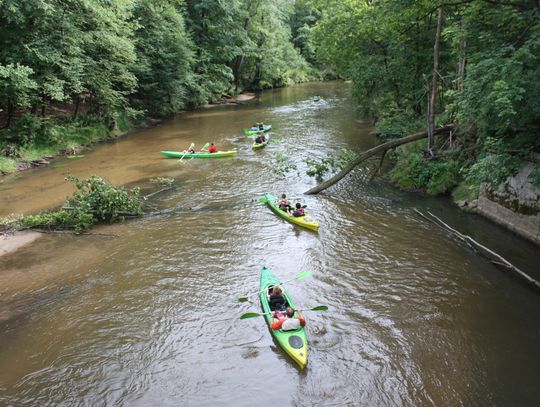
(378, 169)
(157, 192)
(483, 250)
(70, 232)
(371, 152)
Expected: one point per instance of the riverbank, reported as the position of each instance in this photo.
(85, 137)
(10, 243)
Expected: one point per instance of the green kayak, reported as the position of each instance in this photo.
(250, 132)
(293, 342)
(304, 221)
(200, 154)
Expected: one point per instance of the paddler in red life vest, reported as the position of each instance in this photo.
(284, 204)
(286, 321)
(212, 148)
(299, 211)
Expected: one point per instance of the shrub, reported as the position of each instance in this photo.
(94, 201)
(433, 176)
(492, 168)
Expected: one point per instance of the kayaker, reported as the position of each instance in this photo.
(286, 321)
(261, 126)
(258, 140)
(191, 149)
(284, 204)
(276, 301)
(299, 211)
(212, 148)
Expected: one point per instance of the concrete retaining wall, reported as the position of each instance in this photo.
(515, 204)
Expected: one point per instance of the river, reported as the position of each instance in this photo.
(147, 313)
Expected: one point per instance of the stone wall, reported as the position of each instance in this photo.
(515, 204)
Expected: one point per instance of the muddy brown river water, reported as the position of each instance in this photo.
(150, 317)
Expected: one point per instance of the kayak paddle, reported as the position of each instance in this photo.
(299, 276)
(258, 314)
(187, 151)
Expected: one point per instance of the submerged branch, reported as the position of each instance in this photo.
(483, 250)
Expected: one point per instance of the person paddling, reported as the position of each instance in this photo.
(212, 148)
(284, 204)
(299, 211)
(276, 301)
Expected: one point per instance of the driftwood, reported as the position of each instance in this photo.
(371, 152)
(378, 169)
(119, 213)
(483, 250)
(157, 192)
(70, 232)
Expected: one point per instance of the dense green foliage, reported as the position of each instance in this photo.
(94, 201)
(106, 60)
(318, 168)
(489, 80)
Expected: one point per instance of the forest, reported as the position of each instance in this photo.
(72, 70)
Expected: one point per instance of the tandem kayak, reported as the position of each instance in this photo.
(261, 145)
(250, 132)
(304, 221)
(294, 342)
(200, 154)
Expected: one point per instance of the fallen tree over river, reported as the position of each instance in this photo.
(381, 148)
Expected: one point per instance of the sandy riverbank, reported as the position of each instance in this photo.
(12, 242)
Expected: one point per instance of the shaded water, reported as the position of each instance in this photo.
(150, 317)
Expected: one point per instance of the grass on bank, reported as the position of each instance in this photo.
(32, 137)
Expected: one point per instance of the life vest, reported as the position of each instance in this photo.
(299, 212)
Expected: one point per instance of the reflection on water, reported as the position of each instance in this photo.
(151, 317)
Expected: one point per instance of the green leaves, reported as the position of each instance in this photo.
(16, 85)
(105, 202)
(320, 167)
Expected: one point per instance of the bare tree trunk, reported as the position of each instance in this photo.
(77, 105)
(10, 110)
(369, 153)
(462, 63)
(433, 97)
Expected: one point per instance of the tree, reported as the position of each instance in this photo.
(164, 56)
(433, 96)
(16, 88)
